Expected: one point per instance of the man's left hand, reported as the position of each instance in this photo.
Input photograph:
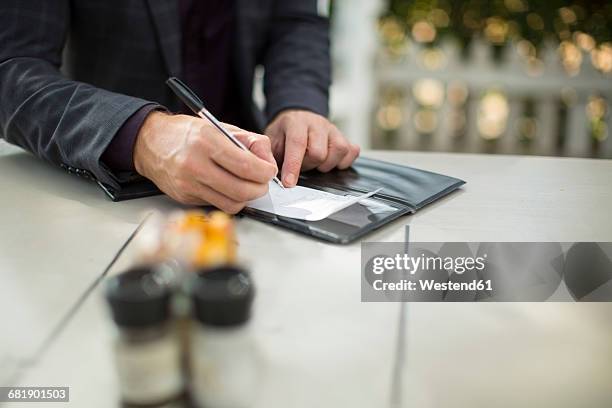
(303, 140)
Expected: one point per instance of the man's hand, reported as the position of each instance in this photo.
(194, 163)
(303, 140)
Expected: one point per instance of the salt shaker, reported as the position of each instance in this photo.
(147, 352)
(223, 359)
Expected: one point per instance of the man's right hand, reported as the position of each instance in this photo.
(194, 163)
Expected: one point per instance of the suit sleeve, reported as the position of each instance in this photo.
(63, 121)
(297, 59)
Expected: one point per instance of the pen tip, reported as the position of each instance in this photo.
(280, 184)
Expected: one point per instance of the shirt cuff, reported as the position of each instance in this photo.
(118, 156)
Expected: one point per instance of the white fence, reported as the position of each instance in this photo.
(433, 99)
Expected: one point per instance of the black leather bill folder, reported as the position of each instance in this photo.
(405, 190)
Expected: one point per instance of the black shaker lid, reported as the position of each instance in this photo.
(139, 297)
(222, 296)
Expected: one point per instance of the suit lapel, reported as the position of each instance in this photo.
(165, 14)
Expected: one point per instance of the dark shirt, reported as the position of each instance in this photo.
(207, 27)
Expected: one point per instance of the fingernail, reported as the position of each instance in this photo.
(289, 179)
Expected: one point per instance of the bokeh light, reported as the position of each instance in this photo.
(433, 58)
(496, 30)
(596, 110)
(571, 57)
(429, 92)
(602, 57)
(423, 31)
(425, 121)
(393, 36)
(584, 41)
(525, 49)
(389, 117)
(493, 113)
(457, 93)
(596, 107)
(439, 18)
(516, 6)
(567, 15)
(535, 21)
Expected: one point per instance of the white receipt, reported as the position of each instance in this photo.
(304, 203)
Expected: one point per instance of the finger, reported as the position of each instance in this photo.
(258, 144)
(317, 148)
(338, 149)
(202, 194)
(296, 139)
(233, 128)
(228, 184)
(241, 163)
(350, 157)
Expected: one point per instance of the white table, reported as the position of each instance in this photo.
(322, 347)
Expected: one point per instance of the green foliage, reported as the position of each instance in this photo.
(500, 21)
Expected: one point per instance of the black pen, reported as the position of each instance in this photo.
(194, 103)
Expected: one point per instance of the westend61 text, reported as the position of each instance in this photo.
(429, 284)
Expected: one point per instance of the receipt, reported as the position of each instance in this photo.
(304, 203)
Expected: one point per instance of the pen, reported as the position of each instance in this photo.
(194, 103)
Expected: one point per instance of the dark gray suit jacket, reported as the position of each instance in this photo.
(115, 56)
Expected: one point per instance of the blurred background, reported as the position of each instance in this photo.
(502, 76)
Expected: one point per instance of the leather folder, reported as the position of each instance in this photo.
(405, 191)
